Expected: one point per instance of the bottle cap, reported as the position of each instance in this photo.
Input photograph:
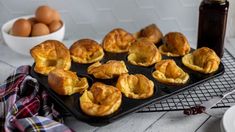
(216, 1)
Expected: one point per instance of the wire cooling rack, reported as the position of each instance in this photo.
(203, 92)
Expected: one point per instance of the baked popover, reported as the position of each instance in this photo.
(175, 44)
(100, 100)
(117, 41)
(143, 53)
(86, 51)
(135, 86)
(65, 82)
(203, 60)
(168, 72)
(49, 55)
(151, 33)
(110, 69)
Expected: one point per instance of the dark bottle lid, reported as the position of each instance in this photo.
(215, 1)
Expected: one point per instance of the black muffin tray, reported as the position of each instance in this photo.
(161, 91)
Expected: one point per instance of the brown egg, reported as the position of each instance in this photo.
(40, 29)
(56, 15)
(32, 20)
(21, 27)
(54, 26)
(44, 14)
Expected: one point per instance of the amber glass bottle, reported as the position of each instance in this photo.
(212, 25)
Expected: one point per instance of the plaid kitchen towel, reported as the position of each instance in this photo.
(26, 107)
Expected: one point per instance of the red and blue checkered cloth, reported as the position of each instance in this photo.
(24, 106)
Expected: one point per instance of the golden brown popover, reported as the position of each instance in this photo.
(117, 41)
(168, 72)
(100, 100)
(203, 60)
(135, 86)
(109, 70)
(49, 55)
(175, 44)
(143, 53)
(86, 51)
(65, 82)
(151, 33)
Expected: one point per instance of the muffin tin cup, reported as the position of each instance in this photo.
(161, 91)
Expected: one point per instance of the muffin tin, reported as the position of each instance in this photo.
(161, 91)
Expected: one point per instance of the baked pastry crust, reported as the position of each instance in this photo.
(101, 100)
(151, 33)
(117, 41)
(109, 70)
(168, 72)
(175, 44)
(65, 82)
(143, 53)
(135, 86)
(203, 60)
(86, 51)
(49, 55)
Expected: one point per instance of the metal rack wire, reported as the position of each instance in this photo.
(197, 95)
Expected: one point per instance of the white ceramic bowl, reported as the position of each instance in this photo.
(23, 45)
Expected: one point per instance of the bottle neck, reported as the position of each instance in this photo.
(215, 1)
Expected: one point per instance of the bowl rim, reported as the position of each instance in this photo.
(4, 26)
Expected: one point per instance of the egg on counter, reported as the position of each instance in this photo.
(40, 29)
(21, 27)
(54, 26)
